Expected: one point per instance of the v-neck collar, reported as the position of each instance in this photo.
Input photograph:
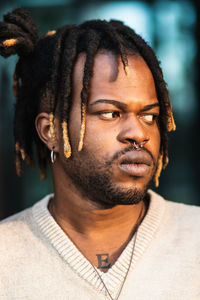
(114, 277)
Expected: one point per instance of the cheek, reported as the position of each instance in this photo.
(74, 126)
(99, 139)
(96, 139)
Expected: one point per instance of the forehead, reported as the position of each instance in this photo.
(109, 79)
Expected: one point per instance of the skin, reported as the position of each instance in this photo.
(90, 218)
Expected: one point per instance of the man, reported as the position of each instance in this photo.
(101, 110)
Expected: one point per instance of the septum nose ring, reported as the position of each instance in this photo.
(137, 146)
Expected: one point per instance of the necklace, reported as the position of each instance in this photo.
(135, 230)
(124, 276)
(140, 218)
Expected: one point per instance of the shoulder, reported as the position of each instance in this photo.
(13, 227)
(175, 209)
(23, 217)
(180, 222)
(19, 228)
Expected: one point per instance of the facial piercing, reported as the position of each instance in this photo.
(139, 146)
(53, 156)
(136, 146)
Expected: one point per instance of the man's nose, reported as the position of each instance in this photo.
(132, 129)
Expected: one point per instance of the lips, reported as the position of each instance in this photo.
(135, 163)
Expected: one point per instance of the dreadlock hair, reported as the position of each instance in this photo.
(50, 89)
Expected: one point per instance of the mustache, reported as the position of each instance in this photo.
(117, 155)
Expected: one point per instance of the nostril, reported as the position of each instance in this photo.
(144, 142)
(137, 145)
(134, 141)
(131, 141)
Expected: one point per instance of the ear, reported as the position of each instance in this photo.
(42, 124)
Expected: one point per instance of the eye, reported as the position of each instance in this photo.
(109, 115)
(149, 118)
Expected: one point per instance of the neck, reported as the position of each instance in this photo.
(88, 221)
(76, 213)
(92, 228)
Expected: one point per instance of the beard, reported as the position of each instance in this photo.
(94, 179)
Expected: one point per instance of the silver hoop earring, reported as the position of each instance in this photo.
(53, 156)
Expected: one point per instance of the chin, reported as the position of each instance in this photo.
(136, 183)
(124, 194)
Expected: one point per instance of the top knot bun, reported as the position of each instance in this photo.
(18, 33)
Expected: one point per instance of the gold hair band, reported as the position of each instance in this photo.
(67, 146)
(159, 169)
(18, 162)
(17, 147)
(18, 165)
(127, 70)
(51, 124)
(10, 42)
(20, 150)
(171, 123)
(166, 162)
(23, 154)
(50, 32)
(82, 131)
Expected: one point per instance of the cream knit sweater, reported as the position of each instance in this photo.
(38, 261)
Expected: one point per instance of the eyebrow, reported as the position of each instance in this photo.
(122, 105)
(150, 106)
(118, 104)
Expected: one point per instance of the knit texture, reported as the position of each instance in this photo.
(38, 260)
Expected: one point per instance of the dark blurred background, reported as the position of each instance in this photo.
(172, 29)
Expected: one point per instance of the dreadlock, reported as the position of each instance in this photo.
(50, 90)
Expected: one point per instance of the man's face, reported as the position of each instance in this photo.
(121, 109)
